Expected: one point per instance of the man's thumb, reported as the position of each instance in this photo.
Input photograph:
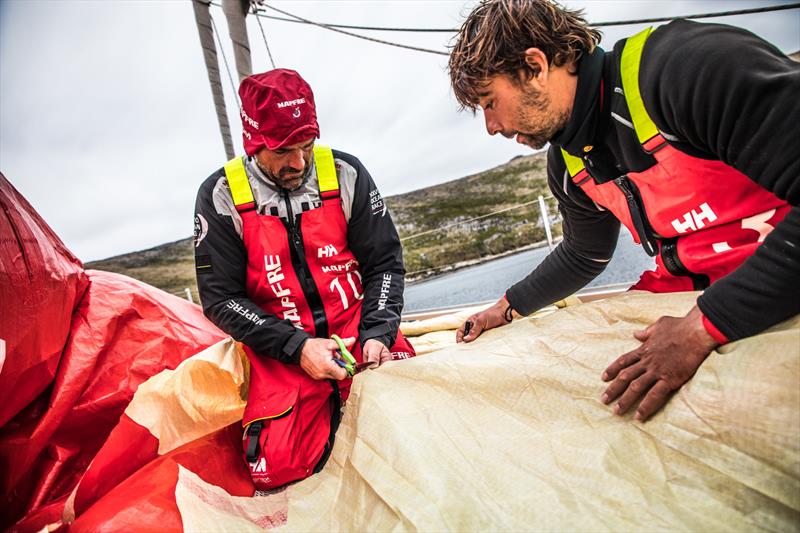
(349, 342)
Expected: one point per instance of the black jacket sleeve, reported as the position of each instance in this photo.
(375, 243)
(729, 95)
(221, 265)
(590, 236)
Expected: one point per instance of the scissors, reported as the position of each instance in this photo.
(348, 362)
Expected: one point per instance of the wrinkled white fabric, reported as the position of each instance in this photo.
(508, 433)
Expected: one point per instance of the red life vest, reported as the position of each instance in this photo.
(301, 270)
(700, 218)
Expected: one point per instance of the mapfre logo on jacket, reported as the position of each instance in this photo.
(281, 292)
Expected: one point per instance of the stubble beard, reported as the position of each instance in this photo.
(289, 184)
(539, 121)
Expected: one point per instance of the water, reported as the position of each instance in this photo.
(489, 281)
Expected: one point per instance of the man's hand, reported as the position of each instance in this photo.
(375, 352)
(671, 352)
(317, 356)
(483, 321)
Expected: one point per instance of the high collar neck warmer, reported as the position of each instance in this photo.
(581, 128)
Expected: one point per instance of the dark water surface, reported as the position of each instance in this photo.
(488, 281)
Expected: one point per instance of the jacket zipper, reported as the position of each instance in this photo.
(669, 254)
(303, 271)
(318, 312)
(638, 216)
(650, 242)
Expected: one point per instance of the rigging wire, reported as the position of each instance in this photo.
(258, 19)
(368, 28)
(225, 59)
(340, 27)
(299, 20)
(701, 15)
(351, 34)
(459, 223)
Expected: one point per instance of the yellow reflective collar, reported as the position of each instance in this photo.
(629, 67)
(243, 195)
(326, 169)
(237, 180)
(574, 164)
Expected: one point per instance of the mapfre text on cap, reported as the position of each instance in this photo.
(248, 119)
(291, 102)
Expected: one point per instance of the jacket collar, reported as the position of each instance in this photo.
(586, 109)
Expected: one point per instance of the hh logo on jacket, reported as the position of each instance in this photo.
(695, 219)
(328, 250)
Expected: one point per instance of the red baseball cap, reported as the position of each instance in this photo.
(277, 110)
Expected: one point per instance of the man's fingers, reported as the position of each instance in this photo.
(333, 346)
(654, 401)
(643, 334)
(339, 373)
(376, 357)
(475, 331)
(620, 384)
(622, 361)
(636, 390)
(462, 330)
(371, 355)
(375, 352)
(335, 371)
(348, 342)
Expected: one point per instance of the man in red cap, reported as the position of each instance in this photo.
(294, 245)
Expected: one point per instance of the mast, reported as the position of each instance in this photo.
(235, 12)
(202, 17)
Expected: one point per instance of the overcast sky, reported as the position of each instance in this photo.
(107, 125)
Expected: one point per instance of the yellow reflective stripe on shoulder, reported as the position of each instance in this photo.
(238, 182)
(326, 169)
(629, 65)
(574, 164)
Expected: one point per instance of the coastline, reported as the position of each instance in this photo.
(432, 273)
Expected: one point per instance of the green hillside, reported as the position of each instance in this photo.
(169, 266)
(519, 181)
(451, 205)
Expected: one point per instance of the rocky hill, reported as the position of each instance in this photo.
(440, 225)
(448, 223)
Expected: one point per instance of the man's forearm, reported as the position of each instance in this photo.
(764, 290)
(382, 307)
(265, 334)
(561, 274)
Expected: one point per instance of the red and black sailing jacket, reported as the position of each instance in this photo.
(685, 134)
(299, 269)
(676, 209)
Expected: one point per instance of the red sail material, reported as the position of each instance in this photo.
(40, 284)
(73, 357)
(123, 332)
(128, 448)
(146, 500)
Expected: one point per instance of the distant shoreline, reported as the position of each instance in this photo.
(434, 273)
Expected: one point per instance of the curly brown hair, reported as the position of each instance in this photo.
(496, 34)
